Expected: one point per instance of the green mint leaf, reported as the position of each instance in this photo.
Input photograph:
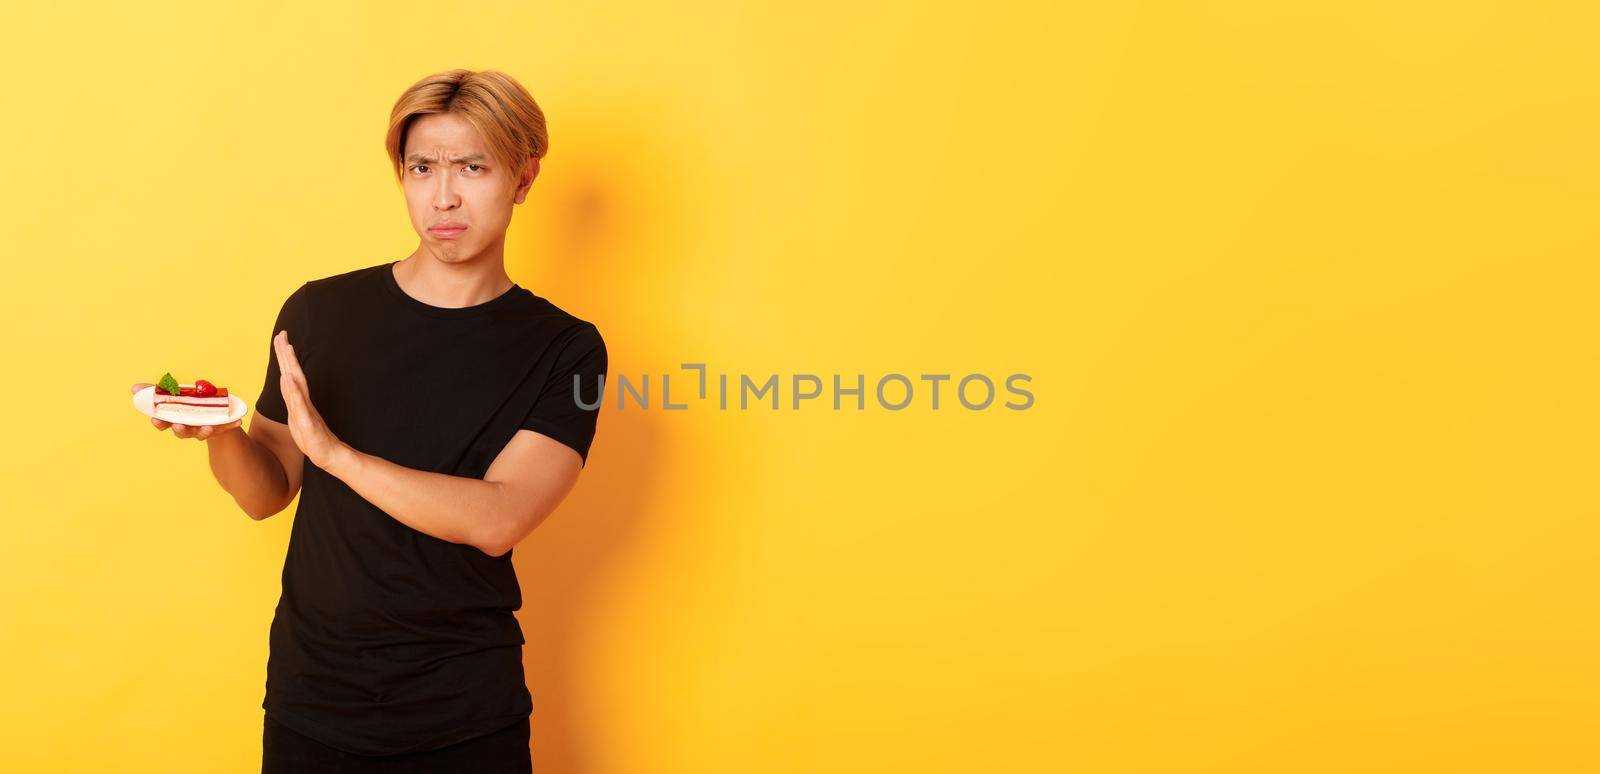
(169, 384)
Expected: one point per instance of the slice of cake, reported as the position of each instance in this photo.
(176, 402)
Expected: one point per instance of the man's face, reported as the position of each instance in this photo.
(450, 179)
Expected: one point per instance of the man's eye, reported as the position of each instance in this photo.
(424, 167)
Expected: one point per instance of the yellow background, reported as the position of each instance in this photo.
(1307, 295)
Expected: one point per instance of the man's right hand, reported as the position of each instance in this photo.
(201, 432)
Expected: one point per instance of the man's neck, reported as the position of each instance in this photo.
(452, 284)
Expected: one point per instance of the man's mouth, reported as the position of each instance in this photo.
(447, 231)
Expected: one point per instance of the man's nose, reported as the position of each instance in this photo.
(444, 194)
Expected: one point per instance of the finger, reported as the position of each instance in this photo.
(140, 386)
(292, 362)
(289, 371)
(280, 351)
(290, 390)
(204, 432)
(305, 394)
(296, 395)
(160, 424)
(297, 377)
(286, 358)
(288, 386)
(212, 431)
(182, 431)
(300, 384)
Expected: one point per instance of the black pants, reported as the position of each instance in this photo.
(285, 751)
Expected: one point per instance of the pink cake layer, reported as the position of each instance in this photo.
(167, 399)
(188, 410)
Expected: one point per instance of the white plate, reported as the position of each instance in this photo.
(144, 400)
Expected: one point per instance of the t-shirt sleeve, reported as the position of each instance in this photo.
(566, 411)
(292, 318)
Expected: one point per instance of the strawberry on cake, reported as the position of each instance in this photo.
(176, 402)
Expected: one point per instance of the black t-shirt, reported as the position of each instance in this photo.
(387, 639)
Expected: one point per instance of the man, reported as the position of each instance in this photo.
(428, 411)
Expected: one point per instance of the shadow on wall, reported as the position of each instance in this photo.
(567, 256)
(558, 572)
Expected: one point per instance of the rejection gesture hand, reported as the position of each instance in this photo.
(310, 433)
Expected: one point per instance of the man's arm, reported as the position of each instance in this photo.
(261, 469)
(526, 481)
(524, 484)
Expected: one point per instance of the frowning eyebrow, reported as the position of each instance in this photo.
(417, 158)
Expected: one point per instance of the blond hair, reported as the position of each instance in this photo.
(494, 103)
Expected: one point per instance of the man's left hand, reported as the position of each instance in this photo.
(310, 433)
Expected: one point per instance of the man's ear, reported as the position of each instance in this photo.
(530, 171)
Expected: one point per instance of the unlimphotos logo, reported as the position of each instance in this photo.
(894, 392)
